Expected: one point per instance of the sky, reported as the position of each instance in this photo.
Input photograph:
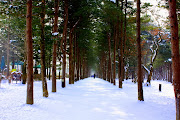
(161, 14)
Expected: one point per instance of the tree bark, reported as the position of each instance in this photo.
(55, 45)
(42, 48)
(139, 77)
(109, 62)
(80, 66)
(125, 38)
(64, 64)
(24, 75)
(64, 38)
(170, 75)
(114, 67)
(29, 99)
(175, 54)
(83, 65)
(70, 57)
(105, 72)
(74, 58)
(125, 25)
(49, 67)
(7, 75)
(77, 60)
(121, 50)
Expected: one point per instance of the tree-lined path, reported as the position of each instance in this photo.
(118, 40)
(88, 99)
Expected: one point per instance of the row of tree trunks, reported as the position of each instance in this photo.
(81, 62)
(73, 54)
(163, 73)
(103, 69)
(111, 74)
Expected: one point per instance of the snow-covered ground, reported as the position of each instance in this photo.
(88, 99)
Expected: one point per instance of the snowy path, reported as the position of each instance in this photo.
(89, 99)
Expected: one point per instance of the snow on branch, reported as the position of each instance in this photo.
(157, 47)
(151, 48)
(147, 70)
(154, 55)
(55, 33)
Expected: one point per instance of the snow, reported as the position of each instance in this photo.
(88, 99)
(148, 71)
(170, 60)
(55, 33)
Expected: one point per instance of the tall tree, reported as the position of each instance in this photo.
(154, 52)
(8, 47)
(175, 54)
(64, 41)
(42, 48)
(140, 87)
(55, 30)
(125, 39)
(29, 41)
(109, 61)
(121, 50)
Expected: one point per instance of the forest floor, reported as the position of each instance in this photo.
(88, 99)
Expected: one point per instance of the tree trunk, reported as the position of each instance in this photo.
(125, 25)
(117, 41)
(7, 75)
(42, 48)
(56, 7)
(114, 67)
(104, 66)
(125, 36)
(74, 58)
(109, 62)
(77, 60)
(80, 66)
(140, 87)
(64, 38)
(24, 75)
(29, 99)
(175, 54)
(49, 66)
(83, 65)
(150, 74)
(105, 72)
(121, 49)
(64, 65)
(70, 57)
(170, 75)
